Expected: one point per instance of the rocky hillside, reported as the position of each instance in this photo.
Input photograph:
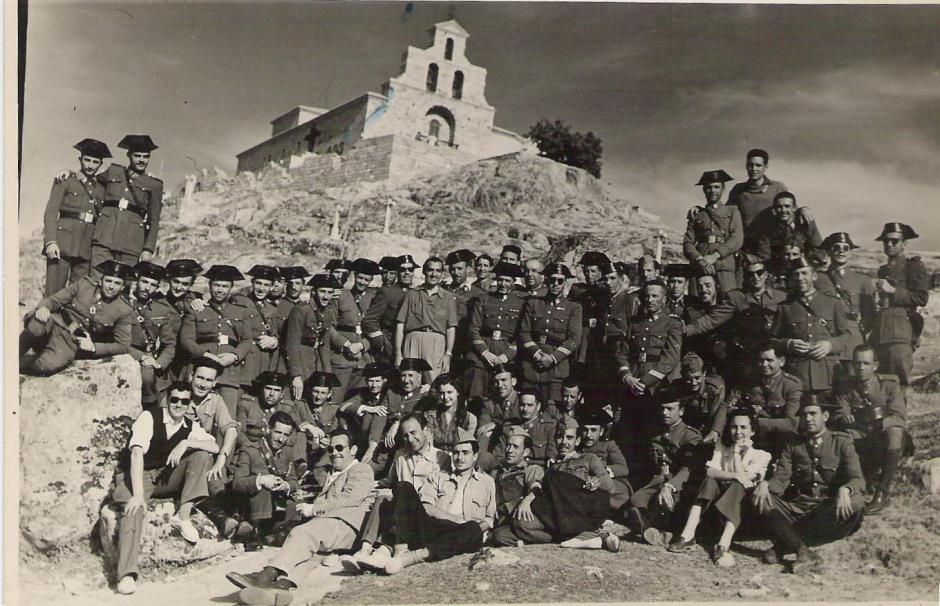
(552, 211)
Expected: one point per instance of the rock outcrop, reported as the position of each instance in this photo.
(73, 427)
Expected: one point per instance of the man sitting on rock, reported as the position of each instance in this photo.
(167, 456)
(336, 515)
(87, 318)
(267, 474)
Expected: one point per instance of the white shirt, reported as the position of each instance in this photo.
(754, 461)
(142, 430)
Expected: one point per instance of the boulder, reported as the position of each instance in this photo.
(160, 543)
(73, 426)
(927, 472)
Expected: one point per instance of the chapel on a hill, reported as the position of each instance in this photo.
(430, 118)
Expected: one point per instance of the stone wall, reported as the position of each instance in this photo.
(368, 160)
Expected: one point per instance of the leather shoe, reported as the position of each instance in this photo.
(806, 562)
(878, 504)
(636, 521)
(243, 580)
(680, 544)
(772, 556)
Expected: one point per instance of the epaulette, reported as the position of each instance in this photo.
(692, 430)
(793, 378)
(157, 179)
(841, 434)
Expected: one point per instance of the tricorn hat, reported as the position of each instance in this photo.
(559, 269)
(146, 269)
(323, 281)
(594, 257)
(137, 143)
(678, 270)
(322, 379)
(264, 272)
(839, 237)
(415, 364)
(334, 264)
(115, 269)
(93, 148)
(365, 266)
(714, 176)
(388, 263)
(294, 272)
(225, 273)
(405, 261)
(903, 229)
(376, 369)
(458, 256)
(270, 377)
(510, 270)
(178, 268)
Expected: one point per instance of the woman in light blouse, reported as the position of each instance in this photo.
(451, 413)
(735, 468)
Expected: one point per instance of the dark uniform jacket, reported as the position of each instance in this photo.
(608, 452)
(705, 410)
(155, 330)
(870, 407)
(857, 291)
(714, 229)
(766, 234)
(512, 485)
(751, 318)
(130, 215)
(219, 329)
(306, 341)
(585, 465)
(806, 469)
(554, 327)
(282, 309)
(262, 315)
(348, 327)
(250, 412)
(895, 311)
(623, 306)
(651, 348)
(823, 318)
(595, 305)
(493, 326)
(673, 453)
(706, 331)
(254, 458)
(382, 316)
(542, 431)
(466, 295)
(70, 215)
(776, 403)
(107, 323)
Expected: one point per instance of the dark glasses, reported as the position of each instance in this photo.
(554, 280)
(337, 448)
(840, 247)
(756, 272)
(176, 400)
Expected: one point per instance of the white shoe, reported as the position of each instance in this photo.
(612, 542)
(188, 531)
(375, 560)
(127, 585)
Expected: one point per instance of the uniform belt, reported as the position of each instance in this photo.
(715, 239)
(233, 341)
(123, 205)
(347, 328)
(639, 357)
(86, 217)
(425, 329)
(546, 340)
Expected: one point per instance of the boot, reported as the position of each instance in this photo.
(881, 500)
(807, 561)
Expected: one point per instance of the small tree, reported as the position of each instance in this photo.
(556, 142)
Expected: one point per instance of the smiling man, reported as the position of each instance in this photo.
(335, 517)
(87, 318)
(757, 193)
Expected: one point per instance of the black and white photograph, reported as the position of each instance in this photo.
(443, 302)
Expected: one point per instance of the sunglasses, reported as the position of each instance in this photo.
(337, 448)
(554, 280)
(840, 247)
(756, 272)
(893, 241)
(177, 400)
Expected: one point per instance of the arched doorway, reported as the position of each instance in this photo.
(441, 124)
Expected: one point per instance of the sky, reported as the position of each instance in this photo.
(845, 98)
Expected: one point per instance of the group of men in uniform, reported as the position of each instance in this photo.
(567, 395)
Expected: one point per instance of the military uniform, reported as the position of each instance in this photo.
(874, 414)
(512, 485)
(897, 325)
(552, 326)
(823, 317)
(857, 291)
(776, 403)
(716, 229)
(541, 430)
(154, 333)
(129, 220)
(705, 410)
(348, 328)
(77, 306)
(217, 329)
(804, 484)
(493, 326)
(671, 455)
(379, 322)
(282, 309)
(264, 321)
(767, 234)
(706, 331)
(609, 453)
(465, 294)
(595, 369)
(255, 457)
(306, 343)
(651, 348)
(69, 222)
(250, 413)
